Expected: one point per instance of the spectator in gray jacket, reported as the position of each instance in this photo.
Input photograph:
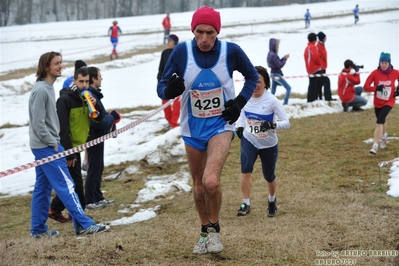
(276, 64)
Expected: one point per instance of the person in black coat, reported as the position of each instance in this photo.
(93, 195)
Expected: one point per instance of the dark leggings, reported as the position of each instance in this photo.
(268, 157)
(382, 113)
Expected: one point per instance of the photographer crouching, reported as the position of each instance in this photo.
(348, 93)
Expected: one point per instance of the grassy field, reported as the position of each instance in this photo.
(329, 200)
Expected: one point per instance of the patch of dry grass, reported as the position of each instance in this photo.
(329, 199)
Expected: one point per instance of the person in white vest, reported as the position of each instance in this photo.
(200, 71)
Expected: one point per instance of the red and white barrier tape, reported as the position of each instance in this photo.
(83, 146)
(306, 76)
(383, 163)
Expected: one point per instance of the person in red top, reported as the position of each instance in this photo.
(325, 81)
(114, 32)
(383, 80)
(313, 66)
(347, 92)
(166, 27)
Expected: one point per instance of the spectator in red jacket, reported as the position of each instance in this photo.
(325, 81)
(166, 27)
(348, 93)
(313, 67)
(382, 82)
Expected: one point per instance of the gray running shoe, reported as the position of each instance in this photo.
(214, 244)
(93, 229)
(106, 202)
(244, 209)
(95, 206)
(200, 247)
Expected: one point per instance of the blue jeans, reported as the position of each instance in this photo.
(359, 101)
(281, 81)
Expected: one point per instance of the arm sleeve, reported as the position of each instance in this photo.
(238, 60)
(105, 123)
(355, 79)
(367, 85)
(63, 117)
(283, 122)
(38, 122)
(161, 66)
(241, 119)
(176, 63)
(279, 62)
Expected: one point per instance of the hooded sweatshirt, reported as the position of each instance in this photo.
(273, 60)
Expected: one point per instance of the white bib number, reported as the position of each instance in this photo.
(207, 103)
(253, 128)
(384, 94)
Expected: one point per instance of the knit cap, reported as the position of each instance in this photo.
(206, 15)
(385, 57)
(173, 38)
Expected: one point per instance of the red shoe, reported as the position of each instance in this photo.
(57, 216)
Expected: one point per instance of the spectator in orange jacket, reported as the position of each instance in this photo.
(348, 93)
(313, 67)
(325, 81)
(383, 80)
(166, 27)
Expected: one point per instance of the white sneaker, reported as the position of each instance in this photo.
(374, 149)
(214, 244)
(383, 142)
(200, 247)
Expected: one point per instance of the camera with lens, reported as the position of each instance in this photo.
(357, 67)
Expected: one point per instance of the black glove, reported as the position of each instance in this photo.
(116, 115)
(175, 87)
(267, 125)
(356, 69)
(233, 109)
(397, 92)
(240, 132)
(379, 88)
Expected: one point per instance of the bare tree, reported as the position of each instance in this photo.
(55, 11)
(5, 7)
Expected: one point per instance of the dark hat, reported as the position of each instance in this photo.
(385, 57)
(321, 36)
(174, 38)
(206, 15)
(79, 64)
(312, 37)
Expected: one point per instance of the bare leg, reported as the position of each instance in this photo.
(206, 168)
(379, 129)
(196, 161)
(272, 187)
(246, 185)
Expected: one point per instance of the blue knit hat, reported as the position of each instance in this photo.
(385, 57)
